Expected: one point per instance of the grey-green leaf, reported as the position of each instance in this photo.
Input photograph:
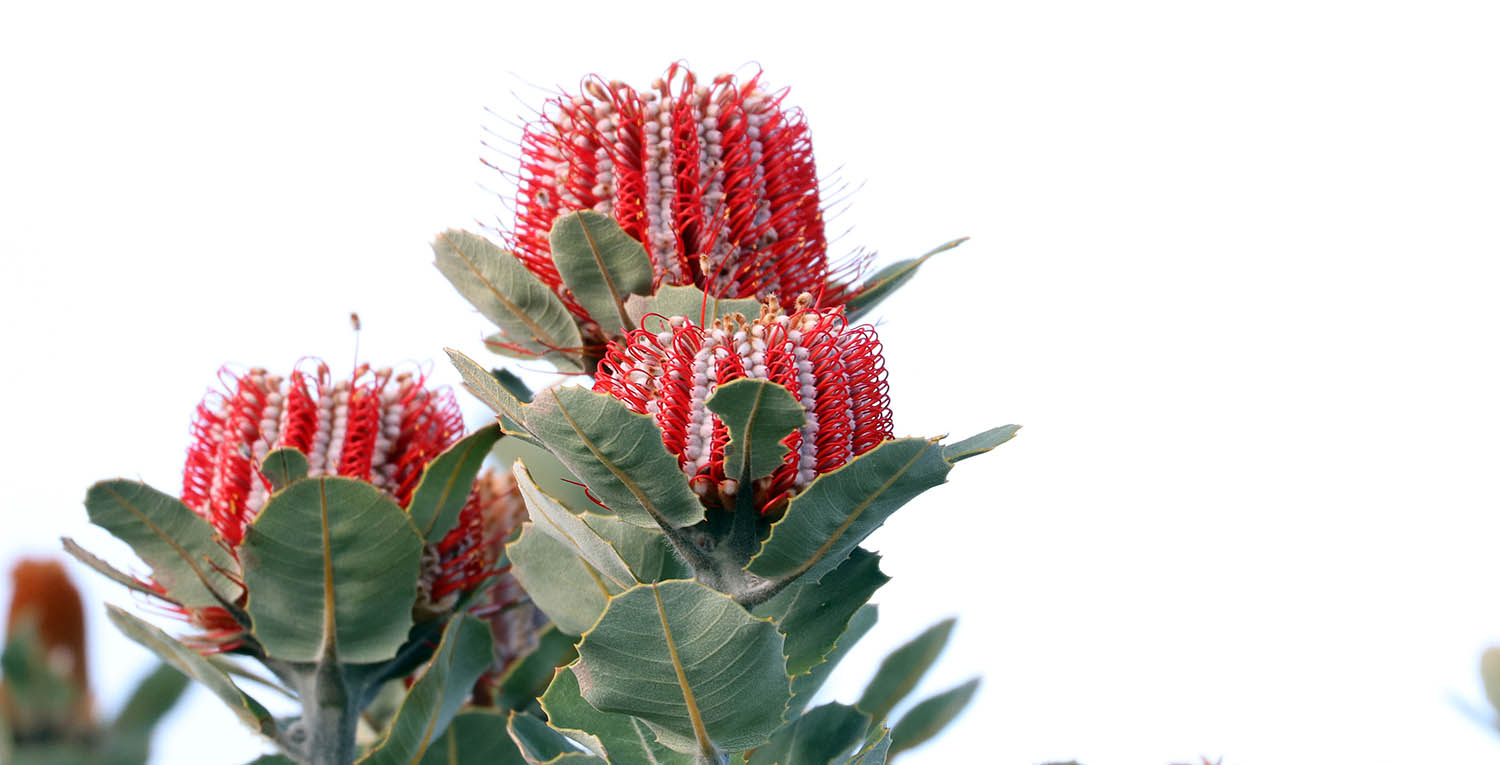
(551, 518)
(822, 736)
(98, 564)
(568, 590)
(541, 744)
(512, 297)
(804, 687)
(979, 444)
(876, 747)
(190, 663)
(475, 737)
(283, 466)
(602, 264)
(930, 716)
(621, 739)
(689, 302)
(902, 669)
(466, 651)
(887, 280)
(331, 565)
(684, 658)
(151, 700)
(839, 509)
(619, 454)
(528, 676)
(446, 481)
(489, 390)
(758, 414)
(178, 545)
(550, 475)
(812, 614)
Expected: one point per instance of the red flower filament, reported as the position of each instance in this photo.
(716, 179)
(836, 372)
(377, 426)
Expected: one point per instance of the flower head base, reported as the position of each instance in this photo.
(716, 179)
(377, 426)
(836, 372)
(513, 619)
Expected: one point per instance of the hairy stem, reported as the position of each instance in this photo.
(329, 717)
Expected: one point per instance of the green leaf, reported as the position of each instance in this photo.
(602, 264)
(539, 743)
(930, 716)
(190, 663)
(272, 759)
(332, 565)
(551, 518)
(812, 615)
(758, 413)
(620, 739)
(508, 294)
(887, 280)
(527, 677)
(839, 509)
(550, 474)
(900, 671)
(512, 384)
(646, 551)
(619, 454)
(876, 748)
(283, 466)
(446, 481)
(689, 302)
(685, 658)
(979, 444)
(466, 652)
(96, 563)
(475, 737)
(184, 555)
(156, 694)
(487, 389)
(804, 687)
(822, 736)
(568, 590)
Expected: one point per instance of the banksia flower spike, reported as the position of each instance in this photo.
(836, 372)
(716, 178)
(46, 609)
(378, 426)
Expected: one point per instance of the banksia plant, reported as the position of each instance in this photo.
(712, 179)
(46, 707)
(329, 530)
(689, 564)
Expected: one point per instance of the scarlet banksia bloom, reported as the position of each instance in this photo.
(716, 179)
(837, 373)
(45, 607)
(378, 426)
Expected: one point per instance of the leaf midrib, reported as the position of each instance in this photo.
(859, 509)
(609, 279)
(694, 715)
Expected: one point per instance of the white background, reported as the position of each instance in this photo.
(1233, 266)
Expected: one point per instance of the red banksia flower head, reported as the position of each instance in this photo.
(377, 426)
(715, 178)
(836, 371)
(45, 608)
